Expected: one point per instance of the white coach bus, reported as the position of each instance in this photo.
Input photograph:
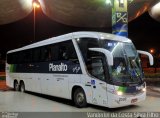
(87, 67)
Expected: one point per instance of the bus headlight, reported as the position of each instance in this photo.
(119, 93)
(144, 89)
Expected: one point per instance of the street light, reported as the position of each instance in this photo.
(152, 51)
(36, 5)
(108, 2)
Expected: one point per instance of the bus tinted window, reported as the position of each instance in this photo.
(85, 44)
(94, 61)
(20, 58)
(54, 52)
(9, 58)
(67, 51)
(44, 54)
(27, 56)
(95, 65)
(36, 54)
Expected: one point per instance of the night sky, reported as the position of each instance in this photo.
(144, 32)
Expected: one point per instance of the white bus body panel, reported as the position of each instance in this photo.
(115, 101)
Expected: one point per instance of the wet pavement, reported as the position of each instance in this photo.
(12, 101)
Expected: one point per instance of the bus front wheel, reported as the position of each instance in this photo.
(80, 98)
(22, 87)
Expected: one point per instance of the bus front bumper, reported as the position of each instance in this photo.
(115, 101)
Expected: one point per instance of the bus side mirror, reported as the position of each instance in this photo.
(107, 53)
(148, 54)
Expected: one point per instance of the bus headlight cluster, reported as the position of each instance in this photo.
(144, 89)
(119, 93)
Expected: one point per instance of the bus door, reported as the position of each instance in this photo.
(98, 83)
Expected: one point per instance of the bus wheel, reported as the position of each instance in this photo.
(80, 98)
(22, 87)
(16, 86)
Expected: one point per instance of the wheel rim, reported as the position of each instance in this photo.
(80, 98)
(16, 86)
(22, 88)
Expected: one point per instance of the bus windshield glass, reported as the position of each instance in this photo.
(126, 69)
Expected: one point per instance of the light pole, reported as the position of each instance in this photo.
(36, 5)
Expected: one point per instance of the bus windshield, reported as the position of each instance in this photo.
(126, 69)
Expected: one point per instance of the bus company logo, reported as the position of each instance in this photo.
(76, 69)
(61, 67)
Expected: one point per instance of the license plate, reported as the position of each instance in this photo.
(134, 100)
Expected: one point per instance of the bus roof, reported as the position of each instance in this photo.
(70, 36)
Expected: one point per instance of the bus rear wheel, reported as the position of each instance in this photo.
(80, 98)
(22, 87)
(16, 86)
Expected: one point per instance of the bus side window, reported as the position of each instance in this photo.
(97, 68)
(20, 57)
(95, 65)
(15, 57)
(28, 56)
(54, 53)
(63, 53)
(48, 53)
(85, 43)
(9, 59)
(36, 55)
(44, 54)
(67, 52)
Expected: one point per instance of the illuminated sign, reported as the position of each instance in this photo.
(120, 17)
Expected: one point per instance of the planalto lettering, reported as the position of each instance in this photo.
(61, 67)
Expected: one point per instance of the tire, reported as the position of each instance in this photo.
(80, 98)
(22, 87)
(16, 86)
